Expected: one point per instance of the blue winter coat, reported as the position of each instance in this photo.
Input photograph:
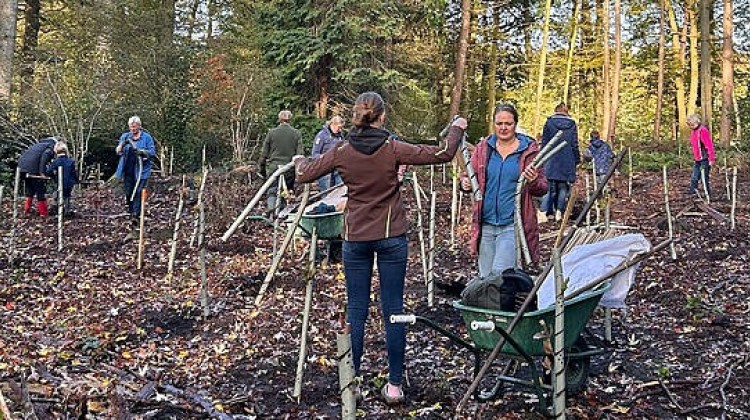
(602, 155)
(562, 166)
(35, 159)
(70, 175)
(325, 140)
(128, 160)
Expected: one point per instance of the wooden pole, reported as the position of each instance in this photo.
(202, 245)
(726, 180)
(284, 245)
(705, 186)
(454, 204)
(60, 200)
(558, 403)
(431, 269)
(142, 233)
(310, 283)
(734, 198)
(177, 219)
(420, 226)
(672, 250)
(2, 190)
(241, 218)
(588, 195)
(347, 381)
(12, 240)
(171, 159)
(596, 184)
(630, 173)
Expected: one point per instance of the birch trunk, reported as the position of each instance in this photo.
(8, 10)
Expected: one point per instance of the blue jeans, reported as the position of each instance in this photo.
(556, 197)
(358, 260)
(330, 180)
(497, 249)
(134, 206)
(696, 178)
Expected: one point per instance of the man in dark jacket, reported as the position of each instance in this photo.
(33, 164)
(280, 145)
(561, 168)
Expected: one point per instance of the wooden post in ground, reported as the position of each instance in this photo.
(705, 186)
(171, 159)
(2, 190)
(60, 206)
(177, 219)
(202, 245)
(454, 203)
(558, 402)
(588, 195)
(431, 268)
(309, 286)
(12, 240)
(347, 381)
(734, 198)
(141, 231)
(420, 225)
(630, 173)
(726, 183)
(672, 250)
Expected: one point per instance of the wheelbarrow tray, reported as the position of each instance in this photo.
(577, 313)
(327, 225)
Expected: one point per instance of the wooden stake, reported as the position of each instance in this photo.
(705, 186)
(431, 269)
(596, 185)
(420, 226)
(284, 245)
(12, 240)
(588, 195)
(60, 207)
(672, 250)
(142, 233)
(2, 190)
(202, 245)
(310, 283)
(177, 219)
(630, 173)
(726, 183)
(347, 381)
(454, 203)
(558, 403)
(734, 198)
(171, 159)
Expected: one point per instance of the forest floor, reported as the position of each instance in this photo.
(85, 334)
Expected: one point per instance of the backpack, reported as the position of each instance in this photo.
(503, 292)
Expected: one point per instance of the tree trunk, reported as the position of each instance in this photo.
(727, 74)
(694, 59)
(8, 11)
(463, 49)
(29, 46)
(678, 51)
(606, 96)
(706, 82)
(660, 77)
(616, 74)
(491, 79)
(542, 65)
(528, 22)
(571, 49)
(324, 80)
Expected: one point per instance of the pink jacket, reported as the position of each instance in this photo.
(698, 136)
(479, 160)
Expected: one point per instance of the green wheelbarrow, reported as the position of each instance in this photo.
(327, 225)
(528, 342)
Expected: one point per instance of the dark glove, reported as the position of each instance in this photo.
(262, 171)
(142, 153)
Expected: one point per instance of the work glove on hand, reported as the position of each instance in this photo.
(142, 153)
(262, 171)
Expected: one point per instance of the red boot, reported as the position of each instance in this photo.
(41, 206)
(27, 205)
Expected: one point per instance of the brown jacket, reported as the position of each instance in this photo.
(368, 161)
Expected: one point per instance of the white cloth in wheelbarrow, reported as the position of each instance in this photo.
(585, 263)
(500, 292)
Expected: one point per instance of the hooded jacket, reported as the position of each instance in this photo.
(70, 175)
(562, 166)
(702, 145)
(602, 155)
(35, 159)
(479, 160)
(368, 161)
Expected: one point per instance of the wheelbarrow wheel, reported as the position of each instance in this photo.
(577, 369)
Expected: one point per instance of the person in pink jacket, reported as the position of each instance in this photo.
(703, 153)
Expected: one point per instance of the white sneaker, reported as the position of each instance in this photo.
(558, 216)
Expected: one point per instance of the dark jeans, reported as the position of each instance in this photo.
(134, 205)
(696, 178)
(556, 197)
(358, 261)
(35, 187)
